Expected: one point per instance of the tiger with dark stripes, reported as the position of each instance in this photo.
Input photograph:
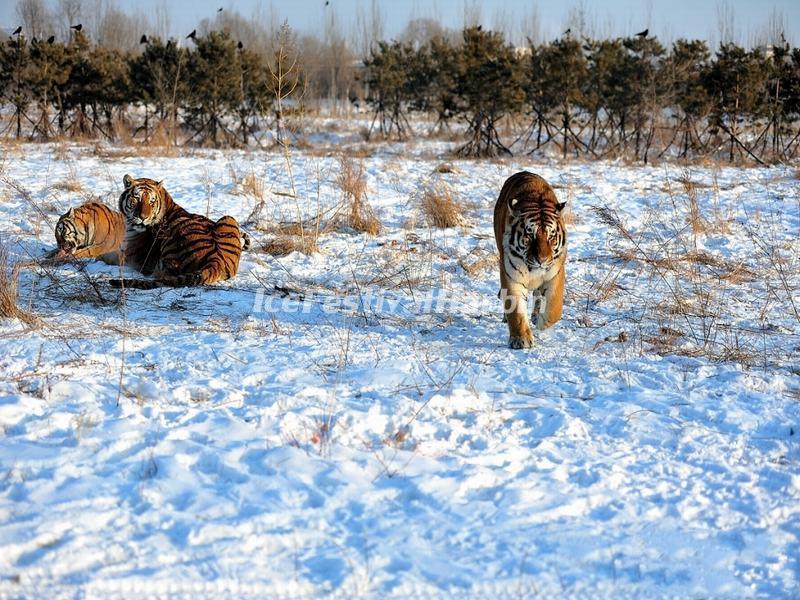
(532, 242)
(190, 249)
(91, 230)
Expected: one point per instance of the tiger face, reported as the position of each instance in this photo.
(535, 237)
(143, 202)
(68, 237)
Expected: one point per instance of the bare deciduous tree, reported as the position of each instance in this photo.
(368, 30)
(35, 18)
(69, 13)
(120, 30)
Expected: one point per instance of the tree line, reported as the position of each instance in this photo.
(213, 91)
(615, 97)
(583, 97)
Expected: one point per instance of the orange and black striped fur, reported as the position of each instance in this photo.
(190, 249)
(532, 242)
(91, 230)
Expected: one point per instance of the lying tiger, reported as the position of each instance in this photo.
(91, 230)
(532, 242)
(190, 249)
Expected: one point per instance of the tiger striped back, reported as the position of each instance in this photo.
(196, 250)
(91, 230)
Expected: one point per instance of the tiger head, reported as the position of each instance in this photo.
(144, 202)
(69, 232)
(537, 233)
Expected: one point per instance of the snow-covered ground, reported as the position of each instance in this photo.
(352, 422)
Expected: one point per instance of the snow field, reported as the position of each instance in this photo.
(351, 422)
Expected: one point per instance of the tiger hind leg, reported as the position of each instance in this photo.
(230, 240)
(221, 266)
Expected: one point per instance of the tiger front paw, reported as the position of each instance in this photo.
(518, 342)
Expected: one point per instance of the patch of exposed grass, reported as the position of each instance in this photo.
(283, 245)
(440, 208)
(357, 213)
(9, 294)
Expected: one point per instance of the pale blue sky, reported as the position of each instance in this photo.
(669, 19)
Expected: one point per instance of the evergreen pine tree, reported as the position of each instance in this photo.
(214, 90)
(389, 71)
(684, 69)
(736, 82)
(558, 79)
(49, 72)
(159, 78)
(489, 86)
(15, 62)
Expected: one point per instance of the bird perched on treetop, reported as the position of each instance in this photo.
(143, 39)
(17, 31)
(77, 27)
(643, 34)
(568, 31)
(240, 45)
(51, 39)
(193, 35)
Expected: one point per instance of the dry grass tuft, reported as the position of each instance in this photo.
(478, 261)
(446, 168)
(352, 181)
(253, 185)
(71, 184)
(9, 294)
(439, 207)
(163, 137)
(283, 245)
(312, 226)
(122, 131)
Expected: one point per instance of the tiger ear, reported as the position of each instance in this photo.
(127, 181)
(512, 204)
(158, 183)
(560, 206)
(71, 213)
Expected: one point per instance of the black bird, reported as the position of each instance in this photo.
(51, 39)
(240, 45)
(193, 35)
(783, 39)
(219, 10)
(643, 34)
(77, 27)
(480, 27)
(17, 31)
(568, 31)
(327, 2)
(169, 44)
(143, 39)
